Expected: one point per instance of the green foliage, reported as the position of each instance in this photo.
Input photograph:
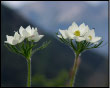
(79, 47)
(40, 80)
(27, 48)
(44, 45)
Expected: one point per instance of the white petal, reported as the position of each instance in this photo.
(96, 39)
(87, 39)
(34, 36)
(30, 38)
(41, 36)
(36, 39)
(28, 29)
(87, 29)
(92, 33)
(16, 36)
(63, 32)
(33, 30)
(35, 33)
(14, 42)
(36, 29)
(70, 29)
(79, 39)
(8, 42)
(21, 39)
(83, 29)
(25, 33)
(73, 27)
(9, 39)
(21, 30)
(82, 26)
(67, 34)
(70, 35)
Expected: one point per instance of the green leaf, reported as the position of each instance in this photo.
(44, 45)
(61, 40)
(72, 45)
(95, 46)
(56, 33)
(27, 43)
(15, 49)
(87, 44)
(22, 46)
(103, 45)
(23, 49)
(28, 51)
(9, 48)
(78, 45)
(99, 44)
(65, 40)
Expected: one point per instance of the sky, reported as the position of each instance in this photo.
(17, 4)
(52, 15)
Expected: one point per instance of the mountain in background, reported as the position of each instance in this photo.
(64, 13)
(93, 70)
(54, 15)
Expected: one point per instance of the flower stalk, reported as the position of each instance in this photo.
(74, 70)
(79, 38)
(29, 73)
(23, 43)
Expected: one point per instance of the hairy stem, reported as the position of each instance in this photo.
(74, 71)
(29, 73)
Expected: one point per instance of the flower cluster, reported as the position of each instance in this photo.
(23, 42)
(83, 36)
(30, 34)
(80, 33)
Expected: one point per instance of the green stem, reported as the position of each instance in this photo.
(74, 71)
(29, 73)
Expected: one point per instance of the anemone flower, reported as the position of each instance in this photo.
(79, 38)
(24, 44)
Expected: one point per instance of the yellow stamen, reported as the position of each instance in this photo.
(77, 33)
(90, 37)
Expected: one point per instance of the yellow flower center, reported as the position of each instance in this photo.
(90, 37)
(77, 33)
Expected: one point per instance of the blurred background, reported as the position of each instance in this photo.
(51, 66)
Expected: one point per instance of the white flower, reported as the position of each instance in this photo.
(90, 37)
(13, 40)
(78, 32)
(74, 32)
(31, 34)
(65, 34)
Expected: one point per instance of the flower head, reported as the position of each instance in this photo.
(90, 37)
(75, 32)
(65, 34)
(31, 34)
(78, 32)
(84, 39)
(23, 43)
(83, 36)
(13, 40)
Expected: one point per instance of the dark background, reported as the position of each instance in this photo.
(51, 66)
